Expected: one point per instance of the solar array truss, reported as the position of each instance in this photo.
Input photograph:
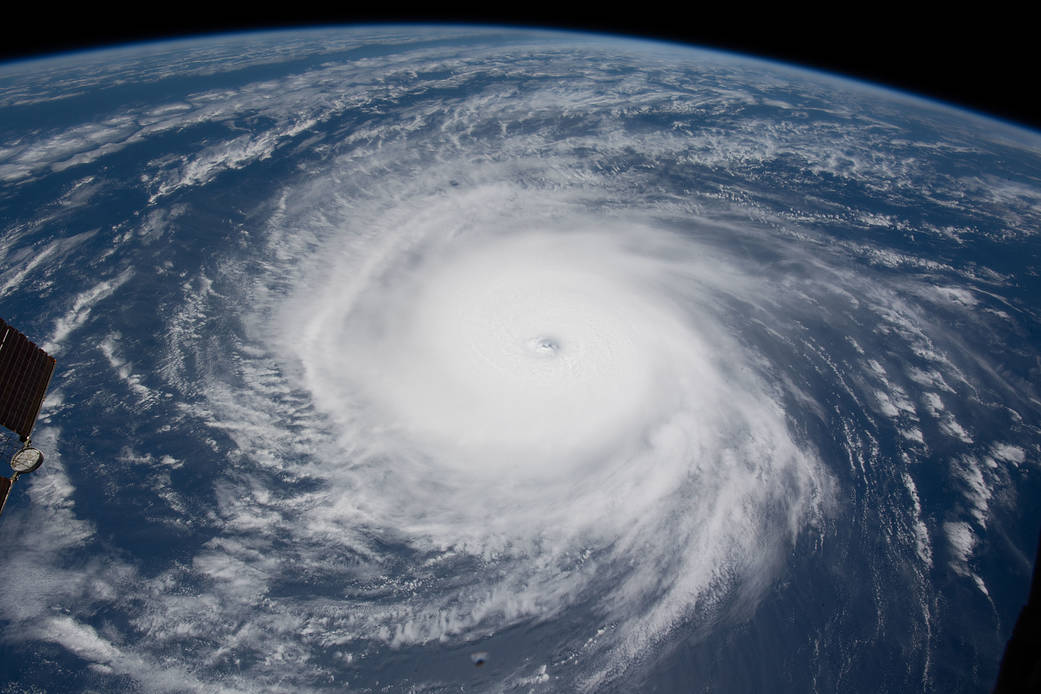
(25, 372)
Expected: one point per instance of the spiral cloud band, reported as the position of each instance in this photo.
(515, 377)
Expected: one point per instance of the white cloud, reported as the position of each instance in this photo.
(82, 305)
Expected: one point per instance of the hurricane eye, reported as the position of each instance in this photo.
(545, 346)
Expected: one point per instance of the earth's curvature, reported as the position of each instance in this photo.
(459, 359)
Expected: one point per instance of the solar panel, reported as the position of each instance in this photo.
(25, 372)
(5, 489)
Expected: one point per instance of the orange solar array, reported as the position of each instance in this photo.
(25, 371)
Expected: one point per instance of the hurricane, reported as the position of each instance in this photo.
(438, 359)
(545, 391)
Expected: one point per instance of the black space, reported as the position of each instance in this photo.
(986, 61)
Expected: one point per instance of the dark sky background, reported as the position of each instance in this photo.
(987, 61)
